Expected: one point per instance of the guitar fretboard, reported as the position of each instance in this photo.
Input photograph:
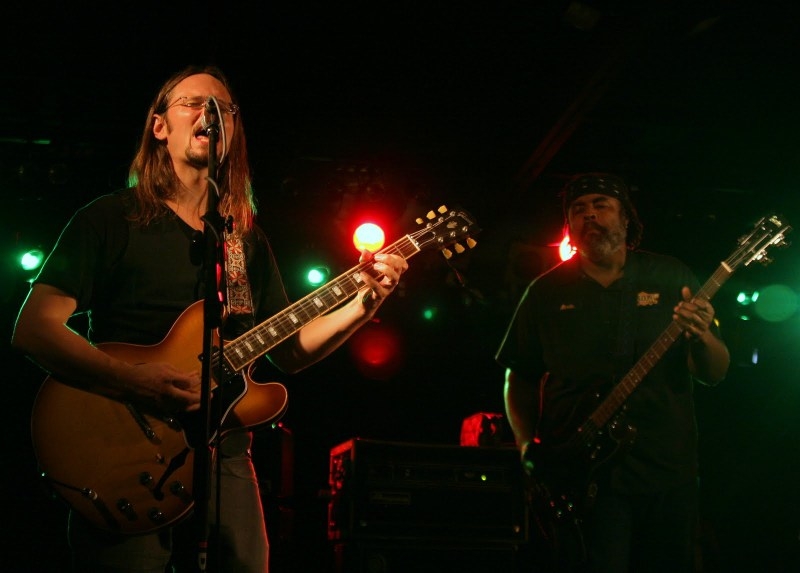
(261, 339)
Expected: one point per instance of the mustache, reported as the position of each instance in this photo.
(592, 226)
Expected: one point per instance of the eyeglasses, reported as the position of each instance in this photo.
(199, 102)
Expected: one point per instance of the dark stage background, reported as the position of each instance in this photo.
(399, 108)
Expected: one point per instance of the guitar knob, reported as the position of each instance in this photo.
(177, 488)
(145, 478)
(126, 507)
(156, 515)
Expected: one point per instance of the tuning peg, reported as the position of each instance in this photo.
(459, 248)
(431, 214)
(471, 242)
(447, 253)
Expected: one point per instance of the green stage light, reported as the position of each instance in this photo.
(31, 260)
(747, 297)
(777, 303)
(317, 276)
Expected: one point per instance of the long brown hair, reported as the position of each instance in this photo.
(152, 175)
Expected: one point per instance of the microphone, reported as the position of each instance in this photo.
(209, 117)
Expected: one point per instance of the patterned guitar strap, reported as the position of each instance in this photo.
(239, 297)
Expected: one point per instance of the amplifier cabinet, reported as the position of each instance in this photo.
(405, 491)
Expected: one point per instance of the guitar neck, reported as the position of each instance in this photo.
(617, 397)
(241, 351)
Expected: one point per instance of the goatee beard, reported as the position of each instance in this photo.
(599, 244)
(197, 159)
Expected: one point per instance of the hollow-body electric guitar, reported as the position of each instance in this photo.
(130, 471)
(563, 472)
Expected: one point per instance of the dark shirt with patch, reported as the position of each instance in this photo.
(587, 337)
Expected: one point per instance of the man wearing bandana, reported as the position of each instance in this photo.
(614, 492)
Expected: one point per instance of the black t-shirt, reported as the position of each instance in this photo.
(134, 281)
(588, 337)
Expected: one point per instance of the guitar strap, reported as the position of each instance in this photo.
(239, 297)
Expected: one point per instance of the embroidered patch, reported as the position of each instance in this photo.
(647, 299)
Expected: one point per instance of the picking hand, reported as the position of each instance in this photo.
(164, 387)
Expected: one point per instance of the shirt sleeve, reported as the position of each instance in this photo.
(520, 349)
(86, 247)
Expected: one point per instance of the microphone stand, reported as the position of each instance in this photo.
(212, 321)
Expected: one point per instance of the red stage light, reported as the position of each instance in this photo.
(376, 350)
(368, 236)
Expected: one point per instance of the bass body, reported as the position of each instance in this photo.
(564, 466)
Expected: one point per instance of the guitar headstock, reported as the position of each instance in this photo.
(445, 228)
(768, 232)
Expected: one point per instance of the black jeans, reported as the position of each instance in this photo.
(651, 533)
(654, 533)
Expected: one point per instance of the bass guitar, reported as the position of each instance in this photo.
(130, 471)
(562, 473)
